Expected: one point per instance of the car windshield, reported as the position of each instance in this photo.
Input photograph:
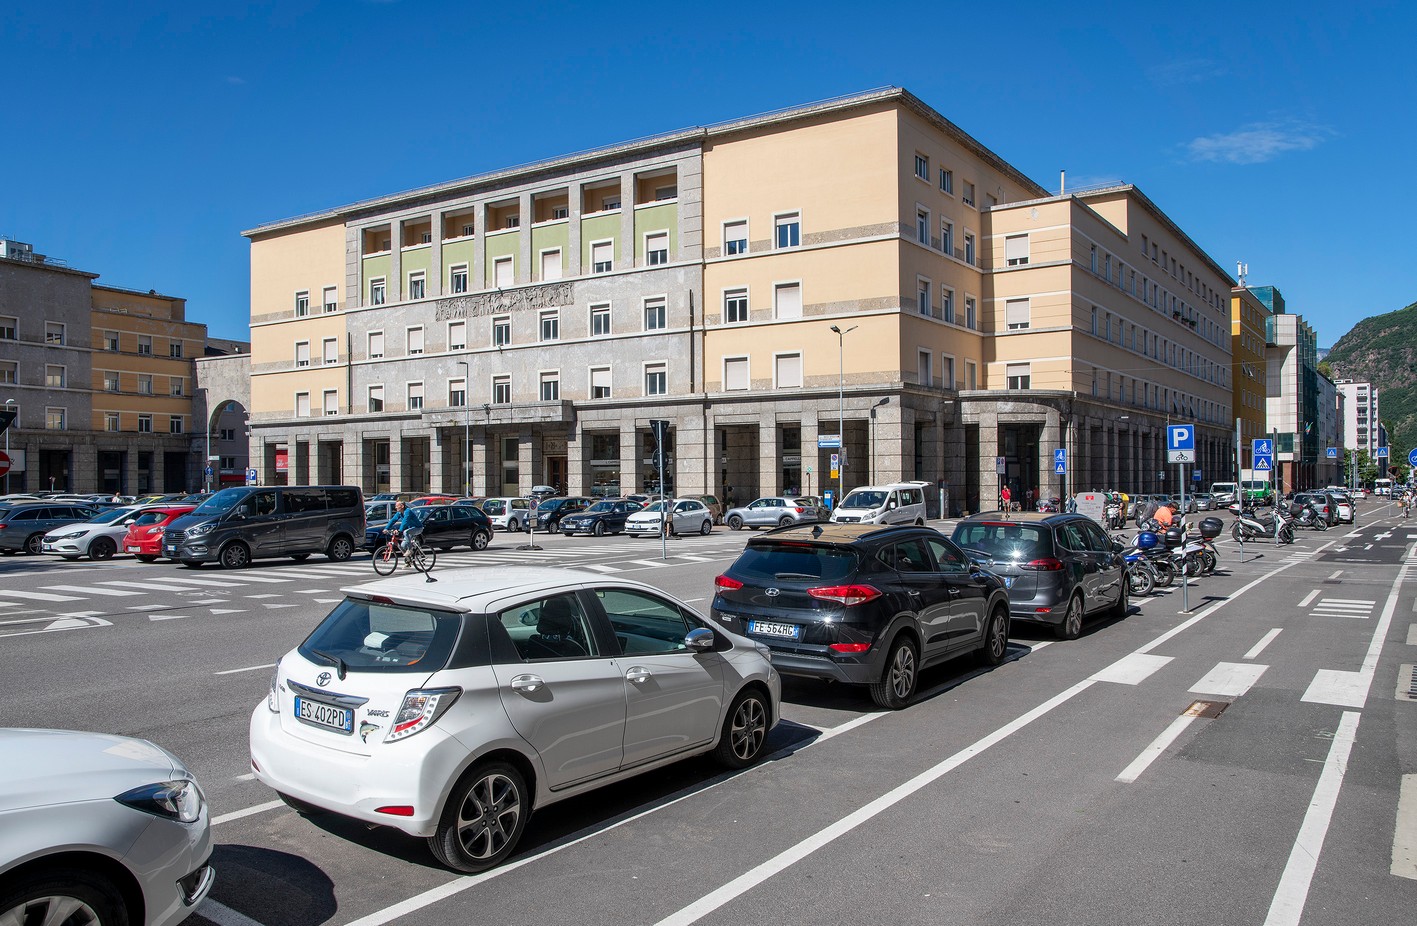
(600, 507)
(654, 506)
(108, 517)
(222, 502)
(774, 562)
(1003, 540)
(859, 499)
(551, 504)
(368, 636)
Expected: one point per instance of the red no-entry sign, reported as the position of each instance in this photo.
(4, 462)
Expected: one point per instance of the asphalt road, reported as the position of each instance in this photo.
(1240, 762)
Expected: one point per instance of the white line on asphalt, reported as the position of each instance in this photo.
(37, 596)
(1404, 830)
(92, 590)
(1265, 640)
(1287, 907)
(783, 860)
(1368, 547)
(1367, 601)
(1308, 598)
(1158, 746)
(264, 665)
(648, 562)
(1412, 634)
(1338, 572)
(1131, 669)
(248, 812)
(1350, 689)
(223, 915)
(167, 617)
(1229, 679)
(249, 776)
(173, 580)
(268, 595)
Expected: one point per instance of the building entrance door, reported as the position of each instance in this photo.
(556, 473)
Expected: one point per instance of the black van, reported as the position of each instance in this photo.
(238, 525)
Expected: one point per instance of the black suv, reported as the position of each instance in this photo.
(1058, 567)
(865, 604)
(551, 510)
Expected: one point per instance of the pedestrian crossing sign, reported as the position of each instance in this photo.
(1262, 464)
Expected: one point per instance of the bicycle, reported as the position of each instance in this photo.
(386, 558)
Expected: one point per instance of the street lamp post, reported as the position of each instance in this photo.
(841, 409)
(466, 428)
(207, 461)
(873, 436)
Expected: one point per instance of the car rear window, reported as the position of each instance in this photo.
(776, 562)
(1004, 540)
(370, 636)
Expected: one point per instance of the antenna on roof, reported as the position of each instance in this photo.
(1062, 182)
(1242, 270)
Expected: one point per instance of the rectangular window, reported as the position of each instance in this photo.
(654, 314)
(54, 419)
(330, 350)
(376, 291)
(787, 371)
(789, 230)
(457, 393)
(376, 345)
(302, 304)
(302, 353)
(971, 375)
(923, 297)
(110, 340)
(947, 237)
(550, 387)
(656, 379)
(607, 203)
(302, 405)
(416, 285)
(971, 314)
(376, 398)
(331, 402)
(174, 424)
(735, 306)
(145, 424)
(501, 331)
(468, 230)
(145, 345)
(10, 368)
(967, 197)
(551, 265)
(110, 421)
(599, 321)
(666, 193)
(969, 248)
(1016, 314)
(54, 334)
(145, 384)
(787, 300)
(457, 279)
(503, 272)
(735, 374)
(9, 330)
(922, 226)
(501, 390)
(415, 396)
(457, 335)
(924, 371)
(560, 212)
(947, 181)
(947, 304)
(947, 371)
(54, 376)
(735, 238)
(657, 248)
(512, 221)
(1018, 375)
(922, 167)
(331, 299)
(415, 340)
(600, 383)
(175, 385)
(551, 326)
(1016, 250)
(174, 349)
(110, 382)
(602, 256)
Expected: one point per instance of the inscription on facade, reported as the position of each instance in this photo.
(477, 305)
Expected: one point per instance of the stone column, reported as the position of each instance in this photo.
(693, 473)
(895, 448)
(571, 260)
(353, 454)
(576, 446)
(398, 476)
(484, 464)
(629, 458)
(989, 479)
(526, 463)
(1051, 437)
(525, 273)
(395, 287)
(626, 258)
(811, 457)
(769, 457)
(439, 471)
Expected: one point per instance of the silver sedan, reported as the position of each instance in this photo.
(773, 511)
(689, 516)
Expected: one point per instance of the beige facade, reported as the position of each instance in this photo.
(1249, 319)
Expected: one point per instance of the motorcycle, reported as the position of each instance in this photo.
(1250, 526)
(1142, 578)
(1308, 516)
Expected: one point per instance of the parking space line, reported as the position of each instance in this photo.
(1309, 598)
(222, 915)
(247, 812)
(1159, 745)
(1229, 679)
(1265, 640)
(264, 665)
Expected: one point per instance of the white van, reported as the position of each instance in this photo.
(897, 503)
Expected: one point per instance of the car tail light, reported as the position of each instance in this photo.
(727, 584)
(1046, 564)
(849, 647)
(800, 510)
(155, 530)
(420, 709)
(847, 595)
(396, 810)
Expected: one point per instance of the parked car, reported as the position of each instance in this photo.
(508, 514)
(606, 516)
(551, 510)
(98, 829)
(1058, 568)
(475, 501)
(423, 500)
(144, 536)
(395, 496)
(897, 503)
(773, 511)
(23, 525)
(1346, 513)
(97, 539)
(1204, 501)
(444, 527)
(1322, 502)
(378, 513)
(687, 516)
(1175, 502)
(237, 525)
(714, 506)
(863, 604)
(580, 681)
(543, 492)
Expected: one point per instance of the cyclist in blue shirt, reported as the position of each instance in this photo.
(404, 524)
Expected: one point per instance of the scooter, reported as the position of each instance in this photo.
(1141, 575)
(1308, 516)
(1249, 526)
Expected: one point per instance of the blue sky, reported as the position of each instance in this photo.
(140, 139)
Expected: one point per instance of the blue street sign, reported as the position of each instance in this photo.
(1195, 475)
(1060, 469)
(1380, 452)
(1412, 458)
(1262, 449)
(825, 441)
(1060, 461)
(209, 470)
(1331, 453)
(1180, 437)
(251, 475)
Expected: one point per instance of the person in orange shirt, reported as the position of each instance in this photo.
(1164, 516)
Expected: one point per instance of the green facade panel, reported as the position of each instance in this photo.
(374, 267)
(416, 260)
(546, 237)
(506, 244)
(598, 228)
(656, 218)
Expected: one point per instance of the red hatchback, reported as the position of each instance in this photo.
(144, 537)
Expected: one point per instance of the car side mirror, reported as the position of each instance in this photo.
(700, 640)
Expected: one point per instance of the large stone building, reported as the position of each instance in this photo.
(859, 271)
(1294, 396)
(1361, 414)
(1249, 325)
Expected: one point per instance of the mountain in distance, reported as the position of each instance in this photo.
(1382, 350)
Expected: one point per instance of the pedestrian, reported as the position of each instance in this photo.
(1006, 498)
(1028, 499)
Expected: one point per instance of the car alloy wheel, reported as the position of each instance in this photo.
(996, 639)
(34, 544)
(706, 527)
(735, 523)
(483, 819)
(599, 529)
(480, 540)
(73, 897)
(235, 556)
(1071, 626)
(745, 729)
(341, 549)
(898, 679)
(102, 548)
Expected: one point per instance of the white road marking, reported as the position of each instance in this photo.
(1367, 601)
(1131, 669)
(1338, 572)
(1412, 634)
(216, 611)
(161, 585)
(597, 567)
(167, 617)
(1158, 746)
(1308, 598)
(1229, 679)
(271, 607)
(247, 812)
(264, 665)
(1287, 907)
(249, 776)
(37, 596)
(1350, 689)
(262, 580)
(222, 915)
(649, 562)
(328, 600)
(268, 595)
(174, 580)
(1367, 547)
(1265, 640)
(1404, 830)
(209, 601)
(93, 590)
(146, 607)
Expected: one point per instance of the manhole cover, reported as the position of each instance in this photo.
(1206, 708)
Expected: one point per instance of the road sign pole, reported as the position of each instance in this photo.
(1185, 576)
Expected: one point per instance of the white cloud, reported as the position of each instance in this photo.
(1185, 71)
(235, 81)
(1258, 142)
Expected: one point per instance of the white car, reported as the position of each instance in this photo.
(508, 514)
(452, 711)
(97, 539)
(688, 516)
(98, 829)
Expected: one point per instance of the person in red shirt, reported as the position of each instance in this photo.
(1006, 498)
